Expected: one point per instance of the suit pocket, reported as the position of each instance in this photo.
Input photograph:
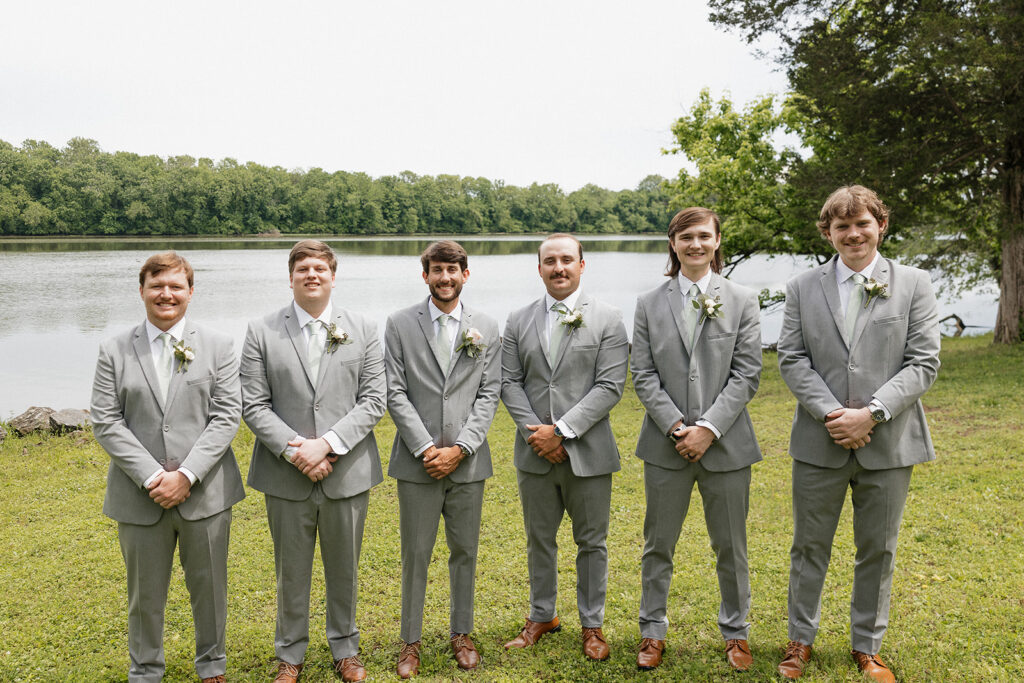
(721, 335)
(888, 320)
(585, 347)
(199, 380)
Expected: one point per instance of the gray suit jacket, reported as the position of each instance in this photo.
(893, 357)
(585, 384)
(193, 428)
(279, 401)
(714, 380)
(428, 406)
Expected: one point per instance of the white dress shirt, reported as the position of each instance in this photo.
(685, 284)
(844, 279)
(156, 347)
(303, 318)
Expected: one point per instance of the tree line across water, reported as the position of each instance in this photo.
(82, 190)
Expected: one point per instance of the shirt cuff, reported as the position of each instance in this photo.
(289, 451)
(153, 476)
(564, 428)
(335, 442)
(418, 453)
(463, 445)
(878, 405)
(713, 428)
(192, 478)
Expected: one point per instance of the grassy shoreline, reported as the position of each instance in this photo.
(956, 606)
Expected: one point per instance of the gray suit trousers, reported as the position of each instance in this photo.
(421, 507)
(546, 498)
(148, 553)
(294, 526)
(818, 497)
(726, 497)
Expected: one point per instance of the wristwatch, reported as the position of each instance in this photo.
(877, 414)
(558, 433)
(465, 451)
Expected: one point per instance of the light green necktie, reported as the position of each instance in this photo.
(690, 313)
(443, 343)
(557, 331)
(854, 305)
(315, 347)
(163, 364)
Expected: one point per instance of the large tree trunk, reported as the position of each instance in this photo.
(1010, 318)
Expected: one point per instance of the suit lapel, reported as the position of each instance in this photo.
(881, 275)
(325, 360)
(831, 291)
(464, 324)
(177, 376)
(291, 325)
(714, 289)
(540, 324)
(583, 305)
(144, 354)
(427, 326)
(675, 304)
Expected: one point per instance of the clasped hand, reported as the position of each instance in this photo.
(313, 457)
(546, 444)
(850, 427)
(440, 462)
(692, 442)
(170, 489)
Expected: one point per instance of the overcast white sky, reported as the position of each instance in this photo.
(561, 91)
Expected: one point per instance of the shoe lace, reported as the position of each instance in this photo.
(591, 632)
(794, 648)
(459, 641)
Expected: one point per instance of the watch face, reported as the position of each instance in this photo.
(878, 415)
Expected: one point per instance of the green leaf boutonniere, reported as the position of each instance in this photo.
(709, 307)
(336, 337)
(472, 343)
(873, 288)
(184, 355)
(573, 319)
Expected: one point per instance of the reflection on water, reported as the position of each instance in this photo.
(58, 300)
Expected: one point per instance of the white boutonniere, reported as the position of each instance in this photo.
(336, 337)
(472, 343)
(184, 355)
(709, 307)
(573, 319)
(873, 288)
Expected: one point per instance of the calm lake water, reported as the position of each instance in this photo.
(59, 299)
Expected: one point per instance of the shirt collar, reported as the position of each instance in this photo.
(843, 271)
(303, 318)
(436, 312)
(702, 284)
(177, 331)
(569, 301)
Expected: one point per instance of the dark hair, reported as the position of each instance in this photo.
(560, 235)
(444, 251)
(311, 248)
(849, 201)
(687, 218)
(168, 260)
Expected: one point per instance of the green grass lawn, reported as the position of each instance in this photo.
(957, 604)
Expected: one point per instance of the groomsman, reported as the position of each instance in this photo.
(696, 364)
(165, 406)
(563, 368)
(859, 346)
(444, 383)
(312, 390)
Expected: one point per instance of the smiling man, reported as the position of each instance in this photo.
(165, 406)
(444, 383)
(313, 388)
(563, 369)
(696, 365)
(859, 347)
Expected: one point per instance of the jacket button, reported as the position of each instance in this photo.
(446, 397)
(316, 406)
(167, 428)
(851, 366)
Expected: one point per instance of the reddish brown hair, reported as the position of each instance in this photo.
(167, 260)
(311, 248)
(687, 218)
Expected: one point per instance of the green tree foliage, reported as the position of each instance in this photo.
(82, 190)
(923, 100)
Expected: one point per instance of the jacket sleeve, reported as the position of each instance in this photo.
(744, 370)
(371, 394)
(609, 378)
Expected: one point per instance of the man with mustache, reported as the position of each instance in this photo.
(444, 383)
(563, 368)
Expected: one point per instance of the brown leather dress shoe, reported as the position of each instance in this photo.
(595, 647)
(532, 632)
(465, 652)
(793, 664)
(287, 673)
(873, 667)
(214, 679)
(350, 669)
(737, 652)
(409, 660)
(649, 656)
